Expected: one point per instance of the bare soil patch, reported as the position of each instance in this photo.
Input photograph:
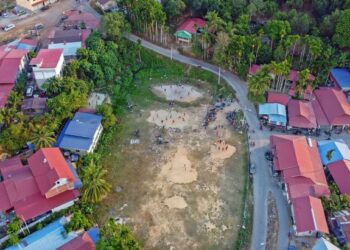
(183, 193)
(179, 93)
(175, 202)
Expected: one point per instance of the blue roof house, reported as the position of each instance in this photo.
(50, 237)
(333, 150)
(341, 78)
(275, 113)
(81, 134)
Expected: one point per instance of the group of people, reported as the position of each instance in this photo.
(172, 117)
(179, 92)
(221, 145)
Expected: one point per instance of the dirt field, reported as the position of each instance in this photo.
(186, 192)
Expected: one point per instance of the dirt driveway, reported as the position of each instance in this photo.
(49, 18)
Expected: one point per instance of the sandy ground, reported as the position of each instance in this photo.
(169, 118)
(180, 93)
(185, 193)
(178, 168)
(176, 202)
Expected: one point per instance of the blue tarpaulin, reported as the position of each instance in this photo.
(333, 150)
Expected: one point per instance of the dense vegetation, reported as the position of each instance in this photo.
(286, 34)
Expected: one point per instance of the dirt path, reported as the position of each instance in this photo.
(184, 193)
(272, 224)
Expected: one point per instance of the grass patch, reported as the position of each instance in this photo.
(159, 70)
(246, 224)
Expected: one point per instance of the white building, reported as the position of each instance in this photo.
(47, 64)
(34, 5)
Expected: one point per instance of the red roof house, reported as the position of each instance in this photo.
(298, 161)
(309, 215)
(46, 184)
(191, 24)
(293, 77)
(47, 64)
(301, 114)
(76, 18)
(82, 242)
(12, 62)
(276, 97)
(254, 69)
(188, 28)
(340, 171)
(331, 107)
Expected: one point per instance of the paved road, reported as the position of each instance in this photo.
(263, 181)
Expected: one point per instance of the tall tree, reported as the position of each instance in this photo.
(113, 25)
(277, 30)
(342, 31)
(95, 186)
(174, 8)
(42, 137)
(259, 84)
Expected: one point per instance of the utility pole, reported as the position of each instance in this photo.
(219, 78)
(171, 52)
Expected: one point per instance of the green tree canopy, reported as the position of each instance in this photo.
(342, 30)
(113, 25)
(95, 186)
(116, 237)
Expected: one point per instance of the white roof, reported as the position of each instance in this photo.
(323, 244)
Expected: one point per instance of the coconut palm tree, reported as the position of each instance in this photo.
(214, 22)
(259, 84)
(14, 100)
(303, 82)
(95, 186)
(42, 137)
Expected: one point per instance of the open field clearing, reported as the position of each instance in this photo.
(177, 184)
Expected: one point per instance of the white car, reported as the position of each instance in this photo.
(9, 27)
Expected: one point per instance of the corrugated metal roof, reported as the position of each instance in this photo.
(79, 132)
(275, 111)
(342, 77)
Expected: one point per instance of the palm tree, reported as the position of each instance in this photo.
(280, 72)
(259, 84)
(14, 100)
(95, 186)
(303, 82)
(43, 137)
(214, 22)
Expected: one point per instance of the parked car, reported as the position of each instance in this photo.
(252, 169)
(5, 14)
(38, 26)
(9, 27)
(29, 91)
(46, 7)
(21, 12)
